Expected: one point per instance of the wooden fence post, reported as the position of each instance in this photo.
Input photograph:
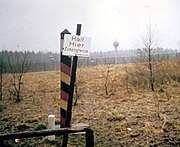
(89, 138)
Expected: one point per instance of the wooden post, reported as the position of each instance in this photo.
(71, 92)
(65, 87)
(46, 132)
(2, 143)
(73, 78)
(65, 70)
(89, 138)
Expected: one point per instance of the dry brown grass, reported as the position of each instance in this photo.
(126, 117)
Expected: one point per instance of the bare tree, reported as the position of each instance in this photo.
(78, 85)
(147, 53)
(19, 65)
(108, 79)
(2, 73)
(106, 76)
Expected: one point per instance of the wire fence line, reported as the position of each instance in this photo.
(91, 61)
(36, 66)
(121, 60)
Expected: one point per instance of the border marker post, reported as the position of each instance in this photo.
(71, 92)
(65, 71)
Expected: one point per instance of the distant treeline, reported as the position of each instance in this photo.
(39, 61)
(45, 61)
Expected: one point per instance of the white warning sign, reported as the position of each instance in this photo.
(76, 45)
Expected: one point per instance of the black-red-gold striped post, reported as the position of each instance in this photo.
(68, 77)
(65, 68)
(65, 86)
(73, 79)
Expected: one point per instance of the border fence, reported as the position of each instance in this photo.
(86, 62)
(93, 61)
(37, 66)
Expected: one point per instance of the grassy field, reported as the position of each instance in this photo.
(122, 116)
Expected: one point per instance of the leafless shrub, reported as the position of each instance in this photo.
(78, 85)
(19, 65)
(3, 72)
(109, 81)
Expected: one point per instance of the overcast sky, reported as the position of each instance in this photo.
(36, 24)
